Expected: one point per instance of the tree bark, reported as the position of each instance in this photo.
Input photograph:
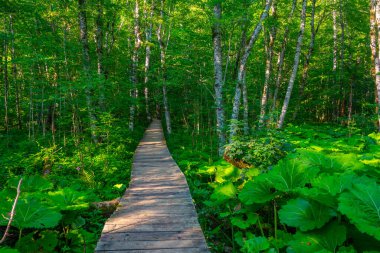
(163, 47)
(99, 52)
(268, 67)
(218, 70)
(281, 57)
(306, 65)
(148, 37)
(6, 82)
(87, 67)
(14, 74)
(376, 52)
(241, 70)
(135, 63)
(295, 67)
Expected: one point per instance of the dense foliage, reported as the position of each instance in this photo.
(287, 92)
(322, 197)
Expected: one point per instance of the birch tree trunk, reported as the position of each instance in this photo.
(218, 70)
(376, 52)
(305, 72)
(99, 52)
(163, 47)
(268, 67)
(14, 74)
(6, 82)
(135, 63)
(281, 57)
(86, 67)
(148, 38)
(335, 38)
(295, 67)
(245, 105)
(241, 70)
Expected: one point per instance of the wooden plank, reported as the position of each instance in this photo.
(157, 213)
(153, 236)
(144, 245)
(183, 250)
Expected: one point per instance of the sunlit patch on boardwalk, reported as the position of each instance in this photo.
(156, 214)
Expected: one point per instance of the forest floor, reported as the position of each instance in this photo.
(301, 168)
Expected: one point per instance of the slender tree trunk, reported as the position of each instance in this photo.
(341, 65)
(295, 67)
(218, 70)
(148, 37)
(241, 70)
(163, 47)
(135, 64)
(6, 82)
(377, 56)
(245, 105)
(306, 65)
(335, 38)
(268, 67)
(99, 52)
(14, 74)
(281, 57)
(87, 66)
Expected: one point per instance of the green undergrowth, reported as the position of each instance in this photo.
(317, 190)
(60, 182)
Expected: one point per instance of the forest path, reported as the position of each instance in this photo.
(156, 213)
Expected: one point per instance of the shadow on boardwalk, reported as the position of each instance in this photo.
(156, 214)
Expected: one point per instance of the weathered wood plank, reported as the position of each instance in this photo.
(157, 213)
(183, 250)
(169, 244)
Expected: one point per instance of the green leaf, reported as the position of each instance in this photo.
(255, 245)
(333, 184)
(31, 213)
(288, 175)
(46, 242)
(70, 199)
(8, 250)
(362, 206)
(226, 172)
(31, 184)
(257, 191)
(242, 223)
(305, 214)
(224, 192)
(326, 239)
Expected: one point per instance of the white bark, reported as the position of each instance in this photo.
(148, 37)
(163, 48)
(305, 71)
(375, 44)
(281, 57)
(218, 86)
(87, 66)
(242, 66)
(295, 67)
(268, 68)
(135, 63)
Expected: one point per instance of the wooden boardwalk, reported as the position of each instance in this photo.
(156, 214)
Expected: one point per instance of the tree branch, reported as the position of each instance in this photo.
(12, 212)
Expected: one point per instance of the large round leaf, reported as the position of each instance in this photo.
(31, 213)
(224, 192)
(257, 191)
(326, 239)
(362, 206)
(305, 214)
(289, 175)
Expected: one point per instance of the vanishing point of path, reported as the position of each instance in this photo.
(156, 214)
